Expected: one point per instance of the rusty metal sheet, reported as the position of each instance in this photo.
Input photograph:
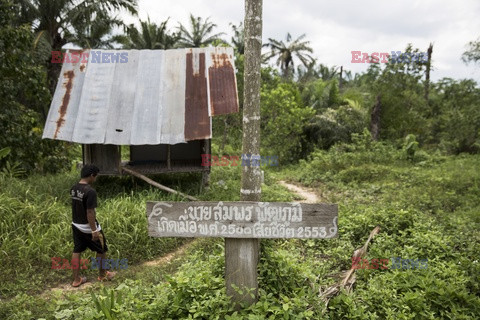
(64, 107)
(222, 82)
(197, 121)
(158, 96)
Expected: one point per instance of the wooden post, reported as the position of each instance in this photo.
(206, 173)
(427, 71)
(168, 157)
(241, 255)
(105, 156)
(375, 119)
(156, 184)
(340, 83)
(225, 130)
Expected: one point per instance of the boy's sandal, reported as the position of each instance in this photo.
(107, 277)
(82, 281)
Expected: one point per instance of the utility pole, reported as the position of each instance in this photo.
(241, 255)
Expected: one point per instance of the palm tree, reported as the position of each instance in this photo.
(56, 19)
(199, 34)
(347, 75)
(238, 38)
(308, 73)
(150, 36)
(473, 52)
(326, 73)
(56, 22)
(285, 51)
(96, 33)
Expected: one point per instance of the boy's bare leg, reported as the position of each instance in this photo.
(103, 272)
(100, 268)
(75, 268)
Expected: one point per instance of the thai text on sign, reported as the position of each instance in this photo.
(243, 219)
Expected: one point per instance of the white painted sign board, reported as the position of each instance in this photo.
(242, 219)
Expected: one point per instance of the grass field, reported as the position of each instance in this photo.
(427, 208)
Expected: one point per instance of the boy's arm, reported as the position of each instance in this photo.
(91, 222)
(91, 219)
(91, 205)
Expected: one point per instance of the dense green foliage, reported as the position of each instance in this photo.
(455, 124)
(24, 101)
(283, 120)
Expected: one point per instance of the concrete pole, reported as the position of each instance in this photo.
(241, 255)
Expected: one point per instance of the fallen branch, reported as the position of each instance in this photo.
(347, 278)
(156, 184)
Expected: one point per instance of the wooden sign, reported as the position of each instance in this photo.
(243, 219)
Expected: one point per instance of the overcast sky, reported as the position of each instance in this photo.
(335, 28)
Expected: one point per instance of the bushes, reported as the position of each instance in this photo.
(283, 121)
(331, 126)
(358, 160)
(24, 99)
(456, 126)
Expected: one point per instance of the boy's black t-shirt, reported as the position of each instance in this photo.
(83, 197)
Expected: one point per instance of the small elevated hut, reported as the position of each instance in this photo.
(157, 102)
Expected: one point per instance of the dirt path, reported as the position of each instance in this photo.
(308, 194)
(67, 287)
(170, 256)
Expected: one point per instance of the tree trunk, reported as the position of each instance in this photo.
(53, 69)
(375, 120)
(241, 255)
(427, 72)
(225, 131)
(340, 83)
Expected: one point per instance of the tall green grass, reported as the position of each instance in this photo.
(426, 207)
(35, 226)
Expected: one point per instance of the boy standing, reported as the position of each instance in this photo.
(87, 232)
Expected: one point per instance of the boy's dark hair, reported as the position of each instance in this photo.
(88, 170)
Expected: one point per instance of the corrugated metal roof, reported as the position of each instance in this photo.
(156, 97)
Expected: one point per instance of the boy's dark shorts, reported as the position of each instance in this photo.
(82, 241)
